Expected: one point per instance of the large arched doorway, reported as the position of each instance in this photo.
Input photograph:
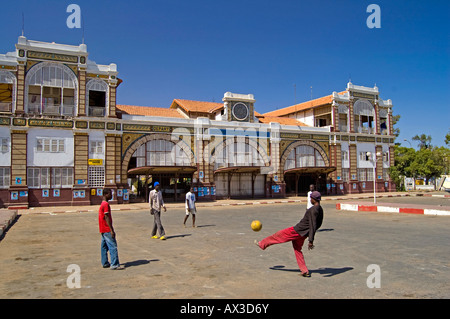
(305, 163)
(158, 158)
(237, 168)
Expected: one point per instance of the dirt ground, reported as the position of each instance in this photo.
(219, 260)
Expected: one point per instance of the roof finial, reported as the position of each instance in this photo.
(23, 23)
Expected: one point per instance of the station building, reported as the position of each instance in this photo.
(64, 139)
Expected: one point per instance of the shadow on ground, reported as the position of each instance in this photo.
(138, 262)
(327, 272)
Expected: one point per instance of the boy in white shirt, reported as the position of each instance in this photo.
(190, 207)
(311, 189)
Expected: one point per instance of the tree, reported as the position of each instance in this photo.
(447, 138)
(403, 158)
(424, 141)
(395, 120)
(427, 163)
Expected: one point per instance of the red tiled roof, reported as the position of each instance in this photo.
(281, 120)
(196, 106)
(303, 106)
(149, 111)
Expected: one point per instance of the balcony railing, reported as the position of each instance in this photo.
(68, 110)
(96, 111)
(5, 106)
(51, 110)
(34, 108)
(365, 130)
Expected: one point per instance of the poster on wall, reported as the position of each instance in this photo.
(56, 193)
(82, 194)
(119, 193)
(14, 195)
(45, 193)
(99, 192)
(125, 196)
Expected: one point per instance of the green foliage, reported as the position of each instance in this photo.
(424, 141)
(426, 162)
(395, 120)
(403, 157)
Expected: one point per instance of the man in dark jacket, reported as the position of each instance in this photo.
(306, 228)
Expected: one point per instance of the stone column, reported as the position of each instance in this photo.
(20, 99)
(377, 117)
(110, 165)
(112, 101)
(379, 167)
(81, 178)
(82, 92)
(353, 171)
(351, 117)
(18, 168)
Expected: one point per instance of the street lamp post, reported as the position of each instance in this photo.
(408, 142)
(373, 158)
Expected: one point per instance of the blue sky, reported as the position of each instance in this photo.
(199, 50)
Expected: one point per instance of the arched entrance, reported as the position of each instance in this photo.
(157, 158)
(237, 168)
(305, 163)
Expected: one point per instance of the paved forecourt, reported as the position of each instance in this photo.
(219, 260)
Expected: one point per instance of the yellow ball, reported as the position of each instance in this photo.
(256, 225)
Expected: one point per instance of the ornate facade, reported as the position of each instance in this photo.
(64, 138)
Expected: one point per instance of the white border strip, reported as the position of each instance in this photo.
(436, 212)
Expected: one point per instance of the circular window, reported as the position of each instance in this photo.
(240, 111)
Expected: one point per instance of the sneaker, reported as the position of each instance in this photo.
(162, 238)
(155, 237)
(257, 243)
(306, 274)
(117, 267)
(106, 265)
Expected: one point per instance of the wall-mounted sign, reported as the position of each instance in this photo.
(95, 162)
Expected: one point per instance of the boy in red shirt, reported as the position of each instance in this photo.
(109, 242)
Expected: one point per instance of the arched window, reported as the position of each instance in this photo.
(7, 91)
(51, 89)
(161, 153)
(97, 97)
(364, 114)
(237, 153)
(304, 156)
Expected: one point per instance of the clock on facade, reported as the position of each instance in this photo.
(240, 111)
